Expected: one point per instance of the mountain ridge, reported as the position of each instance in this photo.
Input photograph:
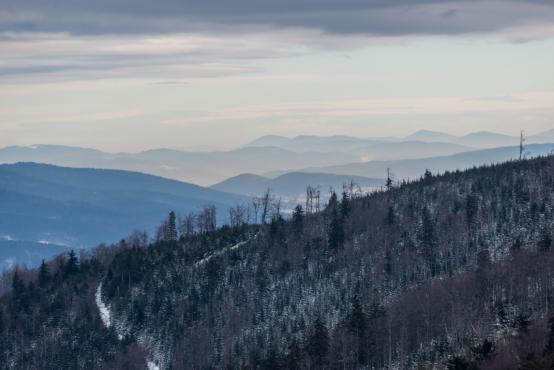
(416, 269)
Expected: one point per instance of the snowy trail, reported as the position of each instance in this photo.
(205, 260)
(106, 317)
(105, 313)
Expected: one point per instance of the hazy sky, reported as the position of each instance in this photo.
(134, 74)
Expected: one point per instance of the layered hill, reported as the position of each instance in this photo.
(414, 168)
(293, 185)
(438, 273)
(202, 168)
(81, 208)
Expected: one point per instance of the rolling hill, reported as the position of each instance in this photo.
(202, 168)
(83, 207)
(452, 271)
(415, 168)
(293, 184)
(363, 148)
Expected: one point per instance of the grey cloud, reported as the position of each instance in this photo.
(169, 57)
(373, 17)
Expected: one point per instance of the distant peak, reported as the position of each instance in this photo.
(430, 135)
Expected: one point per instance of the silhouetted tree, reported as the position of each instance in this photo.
(336, 231)
(72, 265)
(298, 220)
(318, 343)
(43, 275)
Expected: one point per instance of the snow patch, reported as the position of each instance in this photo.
(105, 314)
(205, 260)
(152, 366)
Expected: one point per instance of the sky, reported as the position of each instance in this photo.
(130, 75)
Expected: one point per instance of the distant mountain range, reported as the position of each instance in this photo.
(292, 185)
(80, 208)
(267, 154)
(483, 139)
(371, 148)
(476, 140)
(414, 168)
(203, 168)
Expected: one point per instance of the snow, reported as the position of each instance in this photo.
(205, 260)
(105, 314)
(106, 317)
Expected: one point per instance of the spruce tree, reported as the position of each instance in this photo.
(333, 201)
(171, 234)
(545, 242)
(72, 265)
(318, 343)
(357, 324)
(298, 220)
(18, 286)
(336, 232)
(43, 275)
(345, 206)
(391, 217)
(428, 241)
(294, 356)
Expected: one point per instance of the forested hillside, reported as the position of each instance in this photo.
(451, 271)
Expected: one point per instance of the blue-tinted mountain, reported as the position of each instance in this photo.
(27, 253)
(292, 185)
(197, 167)
(84, 207)
(431, 136)
(415, 168)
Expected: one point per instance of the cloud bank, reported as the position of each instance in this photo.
(371, 17)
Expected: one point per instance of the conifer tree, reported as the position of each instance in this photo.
(336, 232)
(294, 356)
(345, 206)
(18, 286)
(428, 242)
(298, 220)
(318, 343)
(546, 240)
(171, 234)
(388, 183)
(72, 265)
(357, 324)
(333, 201)
(43, 275)
(391, 217)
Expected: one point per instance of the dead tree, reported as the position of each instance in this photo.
(521, 145)
(187, 225)
(206, 220)
(266, 201)
(237, 215)
(313, 198)
(256, 208)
